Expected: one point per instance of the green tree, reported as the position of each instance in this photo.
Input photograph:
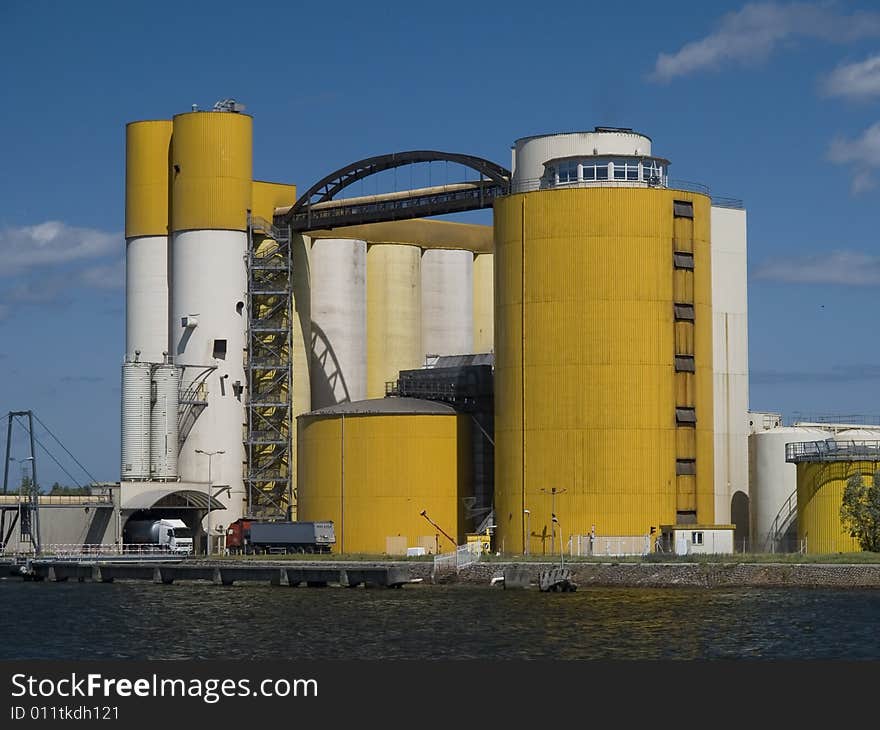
(860, 511)
(65, 491)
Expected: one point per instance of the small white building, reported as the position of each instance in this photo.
(697, 539)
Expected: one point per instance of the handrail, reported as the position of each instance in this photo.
(531, 184)
(832, 450)
(781, 522)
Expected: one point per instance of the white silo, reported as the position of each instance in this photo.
(730, 357)
(211, 186)
(136, 389)
(858, 434)
(163, 423)
(338, 321)
(773, 482)
(447, 302)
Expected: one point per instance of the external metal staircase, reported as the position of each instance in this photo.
(269, 371)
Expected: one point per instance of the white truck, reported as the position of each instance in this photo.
(166, 535)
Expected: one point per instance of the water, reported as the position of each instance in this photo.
(146, 621)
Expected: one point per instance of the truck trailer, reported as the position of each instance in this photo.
(254, 537)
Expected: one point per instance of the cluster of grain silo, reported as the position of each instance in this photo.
(189, 192)
(616, 298)
(232, 332)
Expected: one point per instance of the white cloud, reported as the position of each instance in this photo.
(855, 80)
(52, 243)
(750, 35)
(863, 150)
(838, 267)
(51, 264)
(862, 154)
(862, 182)
(105, 276)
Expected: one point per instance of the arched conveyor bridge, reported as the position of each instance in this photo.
(318, 207)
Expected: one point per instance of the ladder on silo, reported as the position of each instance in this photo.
(269, 370)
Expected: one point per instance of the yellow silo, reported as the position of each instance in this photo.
(211, 179)
(603, 342)
(394, 311)
(820, 487)
(484, 302)
(373, 467)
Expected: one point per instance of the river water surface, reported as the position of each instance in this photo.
(146, 621)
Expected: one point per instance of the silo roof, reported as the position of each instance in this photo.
(386, 407)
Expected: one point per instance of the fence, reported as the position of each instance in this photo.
(609, 545)
(76, 550)
(464, 555)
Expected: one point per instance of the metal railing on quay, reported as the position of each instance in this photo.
(608, 545)
(72, 550)
(58, 499)
(463, 556)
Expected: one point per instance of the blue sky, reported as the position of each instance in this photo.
(774, 103)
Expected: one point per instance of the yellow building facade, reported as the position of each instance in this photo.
(603, 379)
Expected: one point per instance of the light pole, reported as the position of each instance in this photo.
(209, 454)
(561, 545)
(21, 493)
(553, 492)
(528, 515)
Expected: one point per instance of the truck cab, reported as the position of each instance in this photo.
(175, 536)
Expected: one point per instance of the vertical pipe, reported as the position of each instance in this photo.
(35, 499)
(8, 447)
(342, 491)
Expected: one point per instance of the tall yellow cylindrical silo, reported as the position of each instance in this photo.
(603, 341)
(394, 302)
(211, 192)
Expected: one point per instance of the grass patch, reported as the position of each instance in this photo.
(353, 557)
(793, 558)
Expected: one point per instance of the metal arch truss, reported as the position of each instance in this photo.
(303, 216)
(269, 372)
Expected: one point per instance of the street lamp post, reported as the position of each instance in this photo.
(553, 492)
(561, 545)
(528, 515)
(209, 454)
